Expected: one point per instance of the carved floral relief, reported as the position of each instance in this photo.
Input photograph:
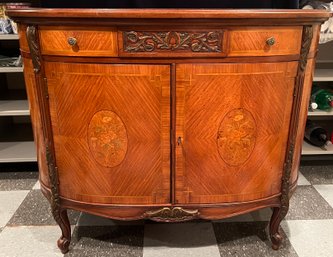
(150, 41)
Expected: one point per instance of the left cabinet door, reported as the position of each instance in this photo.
(111, 126)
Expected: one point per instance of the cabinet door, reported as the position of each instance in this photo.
(232, 123)
(111, 131)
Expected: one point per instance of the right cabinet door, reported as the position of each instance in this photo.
(232, 123)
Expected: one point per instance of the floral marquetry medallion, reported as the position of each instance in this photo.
(236, 137)
(107, 138)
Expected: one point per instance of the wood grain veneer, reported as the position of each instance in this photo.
(263, 14)
(91, 41)
(304, 108)
(168, 115)
(233, 144)
(251, 41)
(139, 96)
(24, 47)
(35, 115)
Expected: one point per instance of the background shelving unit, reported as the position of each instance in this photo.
(16, 137)
(323, 76)
(11, 69)
(9, 37)
(14, 108)
(313, 150)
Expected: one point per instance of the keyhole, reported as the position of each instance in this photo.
(179, 140)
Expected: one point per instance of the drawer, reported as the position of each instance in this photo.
(265, 41)
(74, 41)
(138, 42)
(132, 42)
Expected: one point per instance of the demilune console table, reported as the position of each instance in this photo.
(168, 114)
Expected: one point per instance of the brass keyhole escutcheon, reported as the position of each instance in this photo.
(270, 41)
(179, 141)
(72, 41)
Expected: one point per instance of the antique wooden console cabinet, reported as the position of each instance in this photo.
(169, 115)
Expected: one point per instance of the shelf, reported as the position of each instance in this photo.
(323, 75)
(9, 37)
(16, 138)
(10, 69)
(308, 149)
(317, 113)
(14, 108)
(17, 152)
(16, 94)
(324, 61)
(16, 132)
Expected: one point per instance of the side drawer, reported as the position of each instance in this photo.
(265, 41)
(78, 41)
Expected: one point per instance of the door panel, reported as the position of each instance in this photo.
(111, 131)
(233, 122)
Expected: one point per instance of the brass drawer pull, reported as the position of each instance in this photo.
(270, 41)
(72, 41)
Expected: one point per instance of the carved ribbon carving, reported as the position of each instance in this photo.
(281, 212)
(306, 43)
(59, 214)
(32, 37)
(286, 182)
(173, 214)
(33, 42)
(53, 176)
(143, 41)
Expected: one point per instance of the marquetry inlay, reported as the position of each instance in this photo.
(107, 138)
(236, 136)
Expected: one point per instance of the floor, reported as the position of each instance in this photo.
(27, 228)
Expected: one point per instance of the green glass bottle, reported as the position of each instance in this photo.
(324, 99)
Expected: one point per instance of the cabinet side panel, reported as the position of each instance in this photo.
(24, 47)
(302, 118)
(30, 84)
(309, 72)
(234, 121)
(111, 127)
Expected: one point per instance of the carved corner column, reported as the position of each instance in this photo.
(279, 213)
(59, 214)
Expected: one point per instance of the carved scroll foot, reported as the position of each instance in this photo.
(63, 244)
(65, 239)
(274, 228)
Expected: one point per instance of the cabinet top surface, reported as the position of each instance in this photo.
(310, 15)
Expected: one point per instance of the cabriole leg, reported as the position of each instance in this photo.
(274, 228)
(62, 219)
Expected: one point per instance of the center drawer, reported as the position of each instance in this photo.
(177, 42)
